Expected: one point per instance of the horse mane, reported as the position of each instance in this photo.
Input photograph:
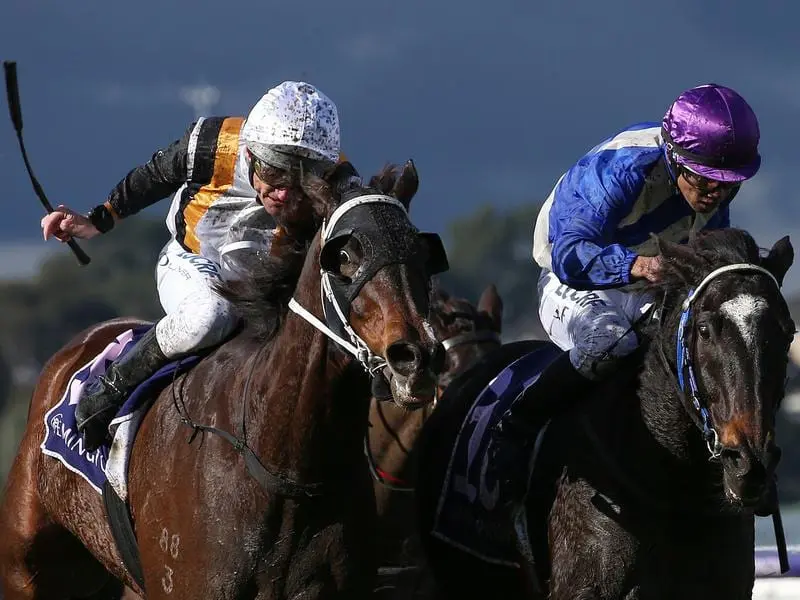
(262, 299)
(684, 266)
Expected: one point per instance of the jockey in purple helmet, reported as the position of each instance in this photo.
(592, 237)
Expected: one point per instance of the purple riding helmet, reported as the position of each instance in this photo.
(712, 131)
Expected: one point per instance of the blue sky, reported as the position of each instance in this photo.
(493, 100)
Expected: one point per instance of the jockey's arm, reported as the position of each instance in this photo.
(590, 202)
(158, 178)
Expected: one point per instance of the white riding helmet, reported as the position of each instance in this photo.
(293, 118)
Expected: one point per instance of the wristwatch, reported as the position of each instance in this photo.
(101, 218)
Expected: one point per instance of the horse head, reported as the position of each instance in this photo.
(466, 332)
(725, 332)
(376, 270)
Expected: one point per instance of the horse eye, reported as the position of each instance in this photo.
(704, 330)
(344, 257)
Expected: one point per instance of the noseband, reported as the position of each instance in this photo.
(701, 415)
(484, 336)
(473, 337)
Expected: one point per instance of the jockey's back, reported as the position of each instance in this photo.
(601, 213)
(217, 187)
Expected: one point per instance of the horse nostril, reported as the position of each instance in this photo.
(743, 463)
(737, 461)
(404, 358)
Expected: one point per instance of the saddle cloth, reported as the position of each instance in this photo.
(469, 515)
(109, 462)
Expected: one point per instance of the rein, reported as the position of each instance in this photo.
(387, 480)
(271, 481)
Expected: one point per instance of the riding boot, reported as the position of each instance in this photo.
(558, 388)
(106, 395)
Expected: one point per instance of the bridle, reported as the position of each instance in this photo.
(688, 389)
(334, 313)
(337, 295)
(687, 381)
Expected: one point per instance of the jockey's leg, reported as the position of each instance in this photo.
(594, 327)
(197, 318)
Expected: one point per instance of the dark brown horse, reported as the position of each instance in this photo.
(468, 333)
(295, 401)
(648, 488)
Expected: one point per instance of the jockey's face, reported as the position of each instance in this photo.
(704, 195)
(274, 187)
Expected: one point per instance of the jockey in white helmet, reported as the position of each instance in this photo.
(223, 171)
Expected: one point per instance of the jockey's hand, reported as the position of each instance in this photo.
(646, 267)
(64, 224)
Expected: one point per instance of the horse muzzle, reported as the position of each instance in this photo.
(748, 474)
(414, 369)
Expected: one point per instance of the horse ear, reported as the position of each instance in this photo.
(678, 259)
(779, 259)
(341, 177)
(383, 181)
(407, 184)
(679, 253)
(491, 303)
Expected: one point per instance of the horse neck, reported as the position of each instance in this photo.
(309, 400)
(394, 432)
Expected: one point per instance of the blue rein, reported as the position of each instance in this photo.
(684, 362)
